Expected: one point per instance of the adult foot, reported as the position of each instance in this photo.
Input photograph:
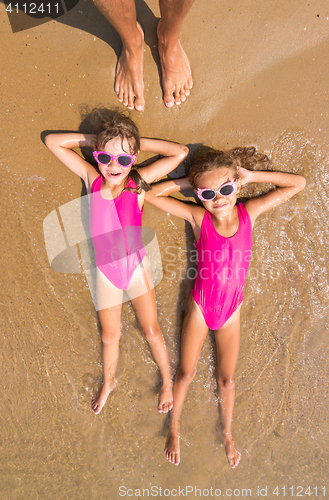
(171, 451)
(232, 452)
(176, 71)
(99, 401)
(129, 84)
(165, 401)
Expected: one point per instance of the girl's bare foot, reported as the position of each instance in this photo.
(129, 84)
(165, 401)
(98, 402)
(176, 72)
(232, 452)
(171, 451)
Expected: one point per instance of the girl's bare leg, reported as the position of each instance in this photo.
(176, 71)
(145, 307)
(109, 305)
(193, 334)
(129, 73)
(227, 345)
(110, 322)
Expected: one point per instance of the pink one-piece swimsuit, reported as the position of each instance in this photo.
(222, 269)
(116, 232)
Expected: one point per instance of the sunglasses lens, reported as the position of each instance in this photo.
(104, 158)
(209, 194)
(124, 161)
(226, 190)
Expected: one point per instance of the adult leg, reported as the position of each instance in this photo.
(109, 318)
(176, 71)
(141, 294)
(227, 346)
(193, 334)
(129, 73)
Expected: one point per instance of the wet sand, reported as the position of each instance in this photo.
(260, 74)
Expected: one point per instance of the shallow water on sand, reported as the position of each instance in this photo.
(55, 447)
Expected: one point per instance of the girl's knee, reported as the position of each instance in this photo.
(185, 377)
(152, 332)
(110, 336)
(227, 383)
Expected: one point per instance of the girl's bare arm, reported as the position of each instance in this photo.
(287, 186)
(158, 196)
(61, 146)
(173, 154)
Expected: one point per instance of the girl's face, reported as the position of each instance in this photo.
(221, 205)
(114, 173)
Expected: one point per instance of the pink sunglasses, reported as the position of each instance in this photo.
(124, 160)
(226, 189)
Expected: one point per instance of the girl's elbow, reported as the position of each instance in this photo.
(184, 152)
(302, 183)
(50, 140)
(149, 196)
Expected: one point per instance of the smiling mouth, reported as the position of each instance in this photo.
(114, 174)
(220, 206)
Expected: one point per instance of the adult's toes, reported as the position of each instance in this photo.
(125, 99)
(169, 104)
(120, 94)
(130, 103)
(139, 103)
(183, 96)
(187, 88)
(169, 100)
(178, 98)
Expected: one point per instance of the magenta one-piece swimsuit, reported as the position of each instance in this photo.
(116, 231)
(222, 269)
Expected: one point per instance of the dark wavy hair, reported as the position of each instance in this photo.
(112, 124)
(232, 159)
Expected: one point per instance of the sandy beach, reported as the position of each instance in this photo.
(260, 71)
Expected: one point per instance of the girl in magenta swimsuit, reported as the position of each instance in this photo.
(222, 231)
(116, 207)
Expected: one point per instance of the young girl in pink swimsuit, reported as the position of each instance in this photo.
(222, 230)
(116, 206)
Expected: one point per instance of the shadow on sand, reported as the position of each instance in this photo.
(84, 16)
